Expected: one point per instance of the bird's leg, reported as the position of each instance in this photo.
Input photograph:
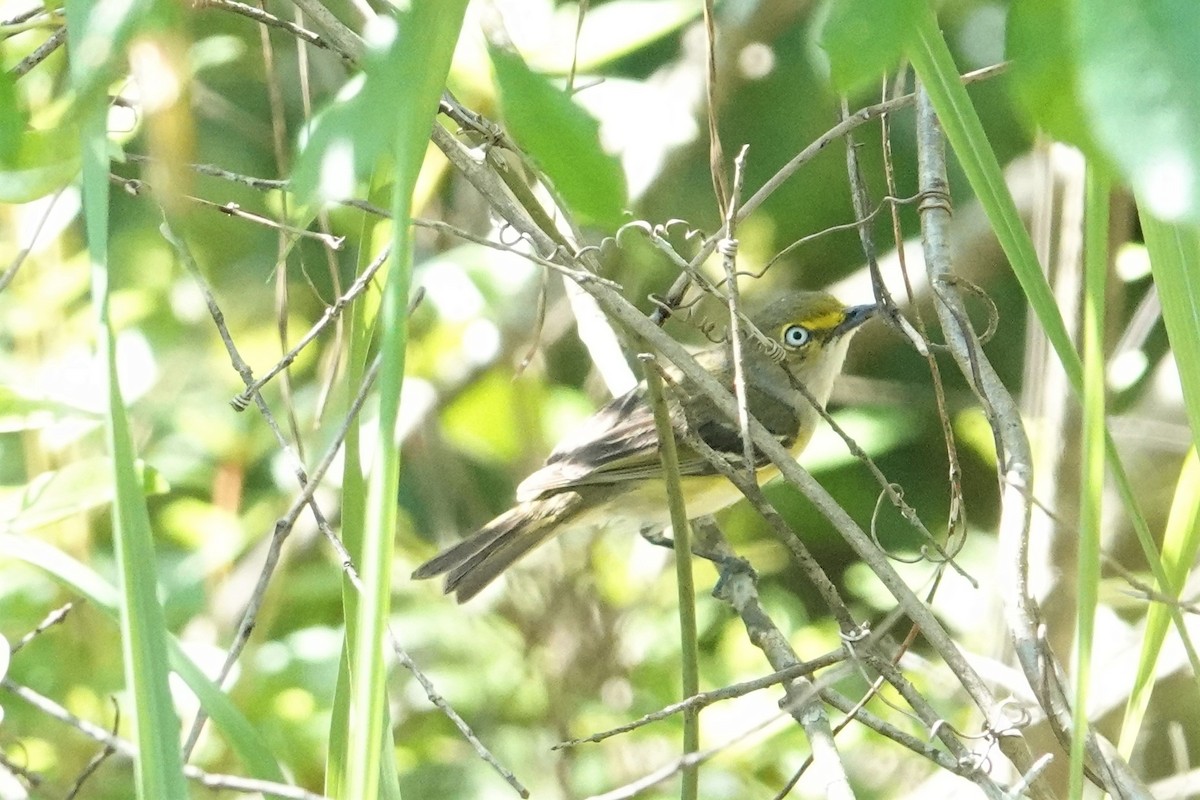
(658, 537)
(730, 567)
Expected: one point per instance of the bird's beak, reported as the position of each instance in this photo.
(855, 316)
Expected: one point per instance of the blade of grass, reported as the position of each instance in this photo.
(354, 493)
(1175, 264)
(682, 531)
(1174, 257)
(1095, 254)
(1181, 541)
(429, 32)
(158, 767)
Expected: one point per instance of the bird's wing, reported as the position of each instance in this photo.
(620, 443)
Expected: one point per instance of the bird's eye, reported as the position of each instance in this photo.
(796, 335)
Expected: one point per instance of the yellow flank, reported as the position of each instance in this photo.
(645, 502)
(824, 322)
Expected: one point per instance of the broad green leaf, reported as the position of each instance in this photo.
(20, 413)
(41, 163)
(866, 38)
(345, 142)
(77, 487)
(99, 34)
(1041, 44)
(562, 138)
(1140, 86)
(12, 119)
(610, 30)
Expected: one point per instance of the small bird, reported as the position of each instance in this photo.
(609, 470)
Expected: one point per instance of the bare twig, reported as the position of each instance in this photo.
(127, 751)
(728, 248)
(802, 700)
(705, 699)
(10, 271)
(270, 20)
(331, 313)
(105, 753)
(41, 53)
(55, 617)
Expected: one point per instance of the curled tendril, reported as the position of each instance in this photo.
(935, 198)
(712, 331)
(727, 247)
(507, 228)
(688, 308)
(1023, 718)
(690, 234)
(859, 634)
(773, 349)
(977, 762)
(888, 491)
(975, 290)
(884, 202)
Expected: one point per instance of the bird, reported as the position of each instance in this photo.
(609, 470)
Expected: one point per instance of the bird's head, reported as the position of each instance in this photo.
(813, 330)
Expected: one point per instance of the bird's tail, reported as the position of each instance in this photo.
(478, 560)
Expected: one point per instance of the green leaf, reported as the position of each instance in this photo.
(613, 30)
(62, 493)
(12, 119)
(20, 413)
(345, 142)
(95, 42)
(247, 742)
(866, 38)
(391, 112)
(1041, 44)
(1140, 85)
(1175, 262)
(41, 162)
(563, 139)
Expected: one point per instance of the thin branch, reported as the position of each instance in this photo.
(1042, 669)
(97, 760)
(266, 18)
(705, 699)
(55, 617)
(242, 401)
(41, 53)
(10, 271)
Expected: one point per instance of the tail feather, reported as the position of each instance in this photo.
(475, 562)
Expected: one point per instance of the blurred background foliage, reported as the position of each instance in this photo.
(583, 636)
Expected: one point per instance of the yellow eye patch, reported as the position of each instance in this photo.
(824, 322)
